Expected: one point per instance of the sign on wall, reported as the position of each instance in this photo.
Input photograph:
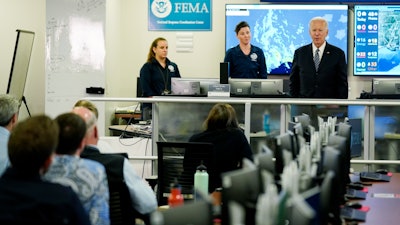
(181, 15)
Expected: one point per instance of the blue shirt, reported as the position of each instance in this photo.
(154, 79)
(143, 197)
(88, 179)
(246, 66)
(4, 160)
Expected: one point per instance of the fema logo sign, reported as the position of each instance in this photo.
(161, 8)
(183, 15)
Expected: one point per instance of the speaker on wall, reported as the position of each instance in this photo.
(223, 72)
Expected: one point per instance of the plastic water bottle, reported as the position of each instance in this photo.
(266, 122)
(201, 180)
(176, 197)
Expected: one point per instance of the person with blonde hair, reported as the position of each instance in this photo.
(156, 73)
(221, 128)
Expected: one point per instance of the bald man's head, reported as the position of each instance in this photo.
(90, 119)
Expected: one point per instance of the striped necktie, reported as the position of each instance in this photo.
(316, 59)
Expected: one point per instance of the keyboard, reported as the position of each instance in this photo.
(372, 176)
(355, 194)
(348, 213)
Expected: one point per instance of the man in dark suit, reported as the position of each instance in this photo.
(327, 78)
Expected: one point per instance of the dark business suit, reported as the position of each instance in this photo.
(330, 81)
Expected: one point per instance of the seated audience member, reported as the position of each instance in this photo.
(102, 145)
(8, 119)
(117, 167)
(24, 197)
(230, 143)
(86, 177)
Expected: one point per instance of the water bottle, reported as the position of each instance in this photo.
(266, 122)
(201, 180)
(175, 198)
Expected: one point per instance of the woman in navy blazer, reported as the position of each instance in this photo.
(329, 80)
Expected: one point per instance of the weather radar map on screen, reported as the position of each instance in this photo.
(280, 29)
(377, 42)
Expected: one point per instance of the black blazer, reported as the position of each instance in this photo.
(330, 81)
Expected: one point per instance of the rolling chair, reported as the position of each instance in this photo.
(178, 160)
(121, 210)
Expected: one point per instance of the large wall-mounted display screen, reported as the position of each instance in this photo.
(377, 40)
(280, 29)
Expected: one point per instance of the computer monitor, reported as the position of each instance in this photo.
(301, 212)
(265, 160)
(341, 144)
(278, 29)
(256, 87)
(332, 161)
(240, 86)
(305, 121)
(386, 86)
(288, 142)
(205, 83)
(266, 87)
(376, 43)
(312, 196)
(180, 86)
(326, 198)
(344, 129)
(242, 186)
(356, 147)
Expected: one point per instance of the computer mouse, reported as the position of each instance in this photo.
(382, 171)
(354, 205)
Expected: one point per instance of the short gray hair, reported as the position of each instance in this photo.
(9, 106)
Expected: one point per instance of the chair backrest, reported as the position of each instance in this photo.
(121, 209)
(178, 160)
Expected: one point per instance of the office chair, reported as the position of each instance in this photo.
(178, 161)
(121, 210)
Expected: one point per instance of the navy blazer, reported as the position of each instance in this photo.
(330, 81)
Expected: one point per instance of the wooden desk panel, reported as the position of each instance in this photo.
(383, 210)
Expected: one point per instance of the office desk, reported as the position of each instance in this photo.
(383, 210)
(132, 130)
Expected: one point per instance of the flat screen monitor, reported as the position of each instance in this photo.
(204, 83)
(266, 87)
(242, 186)
(301, 212)
(386, 86)
(376, 42)
(287, 141)
(332, 162)
(181, 86)
(240, 86)
(341, 144)
(280, 29)
(256, 87)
